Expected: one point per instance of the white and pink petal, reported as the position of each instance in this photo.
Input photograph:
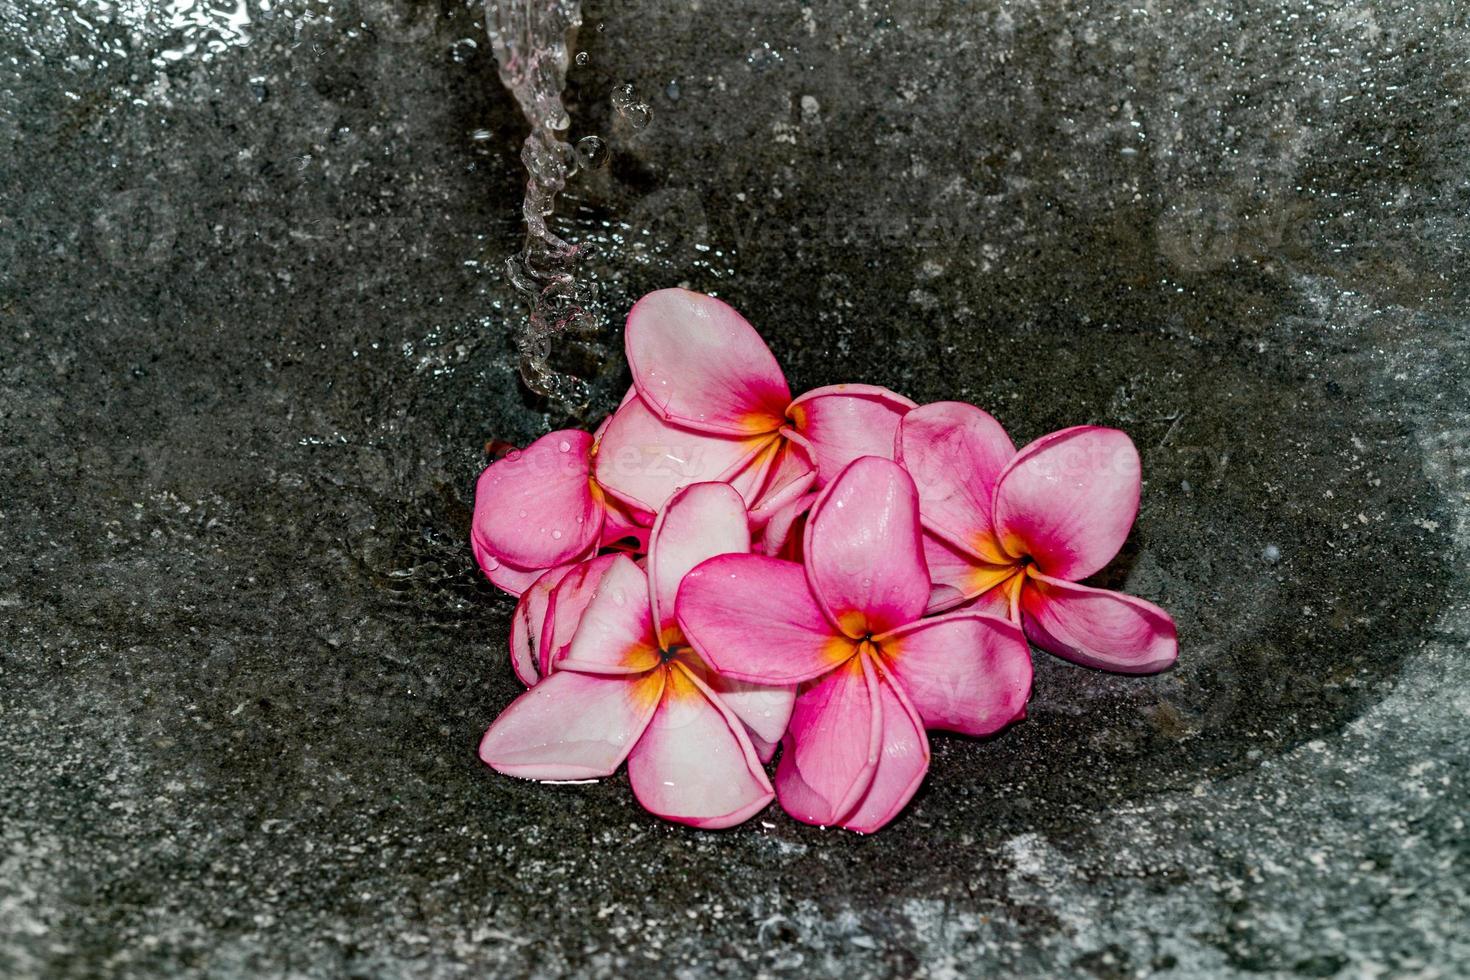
(695, 764)
(1068, 500)
(844, 422)
(1098, 628)
(903, 759)
(572, 726)
(864, 549)
(698, 363)
(535, 508)
(643, 460)
(955, 452)
(833, 745)
(615, 635)
(753, 618)
(966, 672)
(698, 523)
(568, 601)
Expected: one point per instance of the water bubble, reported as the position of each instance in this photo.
(480, 135)
(763, 58)
(592, 152)
(1271, 554)
(629, 107)
(673, 91)
(463, 50)
(639, 116)
(491, 563)
(583, 57)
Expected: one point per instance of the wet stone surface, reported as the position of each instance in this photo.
(256, 336)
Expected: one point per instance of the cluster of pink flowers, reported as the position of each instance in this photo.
(721, 570)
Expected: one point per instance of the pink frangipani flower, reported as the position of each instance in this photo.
(847, 628)
(713, 404)
(540, 508)
(629, 686)
(1014, 532)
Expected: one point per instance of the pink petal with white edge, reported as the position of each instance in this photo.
(564, 612)
(1069, 499)
(695, 764)
(833, 744)
(966, 672)
(754, 619)
(508, 576)
(572, 726)
(784, 529)
(698, 523)
(765, 709)
(616, 632)
(528, 626)
(902, 761)
(695, 361)
(864, 551)
(1098, 628)
(844, 422)
(535, 507)
(955, 453)
(643, 460)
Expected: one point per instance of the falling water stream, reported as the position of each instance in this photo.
(533, 41)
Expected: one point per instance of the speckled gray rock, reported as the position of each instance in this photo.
(255, 336)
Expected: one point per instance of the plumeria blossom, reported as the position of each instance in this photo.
(1014, 532)
(539, 508)
(847, 627)
(628, 686)
(721, 570)
(713, 404)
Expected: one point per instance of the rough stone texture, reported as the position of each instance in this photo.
(254, 336)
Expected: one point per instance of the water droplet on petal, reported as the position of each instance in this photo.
(556, 535)
(564, 446)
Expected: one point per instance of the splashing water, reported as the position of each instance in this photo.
(532, 41)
